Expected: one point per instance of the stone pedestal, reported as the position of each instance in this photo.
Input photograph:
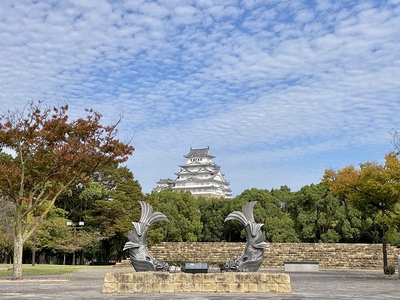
(163, 282)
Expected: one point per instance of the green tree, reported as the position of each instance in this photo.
(7, 212)
(114, 206)
(182, 210)
(80, 198)
(271, 211)
(53, 236)
(373, 189)
(393, 233)
(50, 235)
(280, 229)
(317, 214)
(213, 213)
(51, 156)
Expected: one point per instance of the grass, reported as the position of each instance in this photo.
(29, 270)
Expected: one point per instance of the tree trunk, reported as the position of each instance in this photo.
(17, 262)
(42, 257)
(384, 250)
(34, 246)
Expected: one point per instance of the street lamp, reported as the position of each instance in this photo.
(34, 242)
(70, 224)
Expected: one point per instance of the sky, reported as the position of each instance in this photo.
(280, 90)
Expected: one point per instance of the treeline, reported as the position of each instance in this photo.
(109, 204)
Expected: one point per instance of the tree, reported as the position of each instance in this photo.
(320, 216)
(373, 189)
(182, 210)
(280, 229)
(271, 211)
(54, 236)
(113, 212)
(51, 155)
(6, 216)
(213, 213)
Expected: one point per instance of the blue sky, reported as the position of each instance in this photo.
(279, 90)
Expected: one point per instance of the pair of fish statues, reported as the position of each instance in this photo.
(250, 260)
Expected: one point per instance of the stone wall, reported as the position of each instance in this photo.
(163, 282)
(329, 256)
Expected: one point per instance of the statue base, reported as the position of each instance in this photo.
(164, 282)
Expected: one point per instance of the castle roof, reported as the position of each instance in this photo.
(202, 152)
(166, 181)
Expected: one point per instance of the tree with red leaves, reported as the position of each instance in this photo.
(52, 154)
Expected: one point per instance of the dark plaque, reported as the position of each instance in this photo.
(196, 268)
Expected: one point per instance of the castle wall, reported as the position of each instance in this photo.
(329, 256)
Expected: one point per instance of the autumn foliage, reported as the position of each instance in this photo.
(373, 188)
(51, 154)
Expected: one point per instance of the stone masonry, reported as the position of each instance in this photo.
(163, 282)
(329, 256)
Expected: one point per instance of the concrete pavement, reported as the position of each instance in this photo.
(326, 284)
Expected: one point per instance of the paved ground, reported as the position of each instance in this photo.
(87, 284)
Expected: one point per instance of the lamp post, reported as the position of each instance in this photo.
(69, 224)
(34, 244)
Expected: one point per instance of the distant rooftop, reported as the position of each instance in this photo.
(202, 152)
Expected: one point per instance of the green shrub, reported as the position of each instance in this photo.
(389, 270)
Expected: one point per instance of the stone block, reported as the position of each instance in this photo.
(154, 287)
(209, 280)
(182, 277)
(198, 287)
(126, 287)
(110, 288)
(221, 277)
(236, 287)
(126, 277)
(163, 276)
(251, 287)
(138, 277)
(284, 279)
(253, 276)
(284, 288)
(111, 277)
(210, 287)
(149, 276)
(167, 287)
(181, 288)
(139, 287)
(222, 287)
(200, 277)
(262, 287)
(191, 285)
(272, 288)
(238, 277)
(274, 278)
(133, 288)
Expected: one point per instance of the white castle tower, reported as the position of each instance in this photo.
(199, 175)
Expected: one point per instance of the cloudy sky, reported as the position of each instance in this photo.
(280, 90)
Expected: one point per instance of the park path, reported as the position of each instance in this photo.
(87, 284)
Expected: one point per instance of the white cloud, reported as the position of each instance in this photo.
(266, 85)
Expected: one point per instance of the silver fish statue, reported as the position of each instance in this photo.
(139, 254)
(253, 254)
